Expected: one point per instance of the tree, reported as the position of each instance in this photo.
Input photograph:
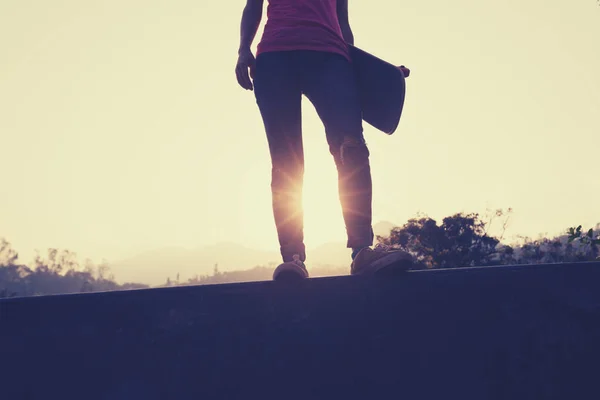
(590, 241)
(461, 240)
(8, 256)
(57, 261)
(58, 272)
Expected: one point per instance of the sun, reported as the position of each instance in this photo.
(323, 221)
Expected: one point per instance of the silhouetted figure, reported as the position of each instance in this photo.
(304, 51)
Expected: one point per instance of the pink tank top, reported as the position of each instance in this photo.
(302, 25)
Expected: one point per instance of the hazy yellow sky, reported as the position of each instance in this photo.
(122, 126)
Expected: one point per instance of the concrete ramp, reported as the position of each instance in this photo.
(511, 332)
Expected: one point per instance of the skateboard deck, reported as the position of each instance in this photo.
(382, 90)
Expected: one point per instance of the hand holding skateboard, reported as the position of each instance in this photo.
(404, 70)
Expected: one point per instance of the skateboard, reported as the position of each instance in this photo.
(382, 89)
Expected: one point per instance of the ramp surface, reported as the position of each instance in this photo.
(528, 332)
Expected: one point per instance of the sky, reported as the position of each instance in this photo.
(123, 128)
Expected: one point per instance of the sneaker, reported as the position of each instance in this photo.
(369, 261)
(291, 270)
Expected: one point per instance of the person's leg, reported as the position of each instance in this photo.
(329, 83)
(278, 95)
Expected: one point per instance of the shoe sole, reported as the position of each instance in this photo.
(395, 269)
(391, 265)
(288, 273)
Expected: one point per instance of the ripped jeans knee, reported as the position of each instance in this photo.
(354, 152)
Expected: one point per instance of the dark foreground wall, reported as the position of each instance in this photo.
(484, 333)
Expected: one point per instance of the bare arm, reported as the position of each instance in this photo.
(342, 13)
(250, 21)
(251, 18)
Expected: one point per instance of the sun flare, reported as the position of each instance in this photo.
(323, 221)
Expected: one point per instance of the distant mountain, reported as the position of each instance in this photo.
(383, 228)
(332, 253)
(155, 266)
